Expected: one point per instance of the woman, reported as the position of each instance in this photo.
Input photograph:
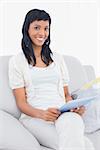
(39, 80)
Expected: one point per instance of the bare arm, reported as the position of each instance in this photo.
(79, 110)
(67, 95)
(51, 114)
(22, 104)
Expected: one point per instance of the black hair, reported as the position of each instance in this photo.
(33, 15)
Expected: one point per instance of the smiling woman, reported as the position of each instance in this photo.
(38, 32)
(36, 37)
(39, 80)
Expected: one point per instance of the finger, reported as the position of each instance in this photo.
(83, 108)
(51, 118)
(52, 114)
(80, 111)
(72, 110)
(54, 110)
(78, 108)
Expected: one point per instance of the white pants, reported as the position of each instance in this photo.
(67, 133)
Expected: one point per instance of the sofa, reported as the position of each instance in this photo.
(13, 135)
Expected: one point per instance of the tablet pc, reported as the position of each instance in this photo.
(76, 103)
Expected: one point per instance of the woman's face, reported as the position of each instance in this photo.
(38, 32)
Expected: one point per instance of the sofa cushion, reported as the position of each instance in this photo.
(95, 138)
(7, 100)
(90, 72)
(77, 74)
(91, 116)
(14, 136)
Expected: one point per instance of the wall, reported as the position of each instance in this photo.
(75, 27)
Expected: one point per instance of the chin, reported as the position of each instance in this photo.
(40, 44)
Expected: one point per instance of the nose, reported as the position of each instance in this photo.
(42, 32)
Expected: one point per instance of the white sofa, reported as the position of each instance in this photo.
(13, 135)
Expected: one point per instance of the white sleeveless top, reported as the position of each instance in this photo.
(46, 83)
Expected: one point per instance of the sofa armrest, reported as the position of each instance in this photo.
(14, 136)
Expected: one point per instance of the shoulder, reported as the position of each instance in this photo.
(18, 62)
(18, 59)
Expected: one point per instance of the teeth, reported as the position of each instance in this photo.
(41, 39)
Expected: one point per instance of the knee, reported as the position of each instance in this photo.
(71, 119)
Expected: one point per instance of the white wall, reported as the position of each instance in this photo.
(75, 27)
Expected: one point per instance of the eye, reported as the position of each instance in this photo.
(36, 28)
(47, 29)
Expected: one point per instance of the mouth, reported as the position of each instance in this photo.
(41, 39)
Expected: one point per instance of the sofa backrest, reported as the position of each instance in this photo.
(7, 100)
(90, 72)
(77, 74)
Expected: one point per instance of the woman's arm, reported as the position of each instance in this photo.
(67, 95)
(51, 114)
(79, 110)
(21, 101)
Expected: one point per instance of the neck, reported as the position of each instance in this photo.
(37, 51)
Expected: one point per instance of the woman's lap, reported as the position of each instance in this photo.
(46, 132)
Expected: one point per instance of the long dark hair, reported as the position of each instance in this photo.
(33, 15)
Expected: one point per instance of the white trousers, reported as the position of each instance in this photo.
(67, 133)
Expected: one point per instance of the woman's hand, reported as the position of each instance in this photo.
(68, 98)
(79, 110)
(51, 114)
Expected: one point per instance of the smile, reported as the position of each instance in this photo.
(41, 39)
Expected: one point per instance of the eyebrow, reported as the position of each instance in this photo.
(40, 25)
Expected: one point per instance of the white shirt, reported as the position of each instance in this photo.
(46, 83)
(20, 76)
